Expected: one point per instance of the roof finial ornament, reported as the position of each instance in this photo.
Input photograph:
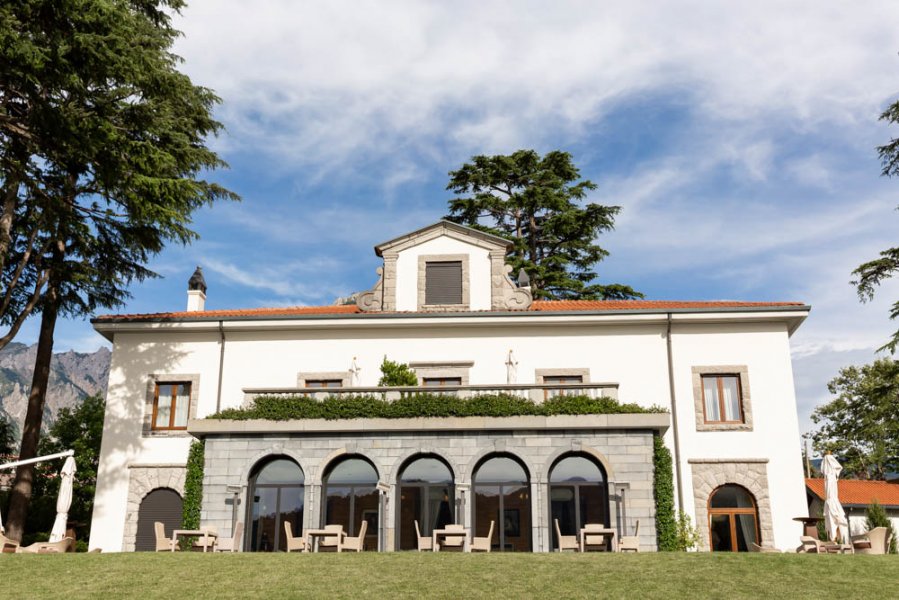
(523, 279)
(196, 281)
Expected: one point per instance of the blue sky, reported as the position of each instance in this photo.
(738, 138)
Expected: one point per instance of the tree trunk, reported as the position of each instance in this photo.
(31, 430)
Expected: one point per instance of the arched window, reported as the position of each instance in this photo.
(277, 494)
(426, 495)
(163, 505)
(502, 493)
(578, 494)
(733, 519)
(350, 495)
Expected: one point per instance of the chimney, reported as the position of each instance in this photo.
(196, 292)
(523, 280)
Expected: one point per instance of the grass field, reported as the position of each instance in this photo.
(197, 575)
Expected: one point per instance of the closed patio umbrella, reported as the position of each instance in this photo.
(64, 500)
(834, 517)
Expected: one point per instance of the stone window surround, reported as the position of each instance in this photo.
(343, 376)
(456, 368)
(143, 479)
(423, 260)
(153, 379)
(750, 473)
(745, 399)
(539, 374)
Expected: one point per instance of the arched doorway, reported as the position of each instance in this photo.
(351, 495)
(426, 495)
(733, 519)
(578, 494)
(163, 505)
(277, 494)
(502, 493)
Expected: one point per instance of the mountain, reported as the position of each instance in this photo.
(73, 376)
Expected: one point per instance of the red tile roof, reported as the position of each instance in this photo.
(537, 306)
(858, 492)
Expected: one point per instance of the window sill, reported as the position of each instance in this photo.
(723, 427)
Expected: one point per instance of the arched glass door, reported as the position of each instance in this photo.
(351, 496)
(277, 494)
(502, 494)
(733, 519)
(426, 495)
(578, 494)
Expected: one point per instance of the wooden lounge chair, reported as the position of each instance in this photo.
(64, 545)
(356, 543)
(332, 542)
(566, 542)
(7, 545)
(810, 545)
(454, 542)
(594, 540)
(482, 544)
(876, 541)
(232, 544)
(293, 543)
(163, 544)
(630, 543)
(424, 543)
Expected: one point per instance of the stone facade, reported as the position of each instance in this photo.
(752, 474)
(142, 480)
(626, 456)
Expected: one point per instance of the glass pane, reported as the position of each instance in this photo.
(264, 527)
(575, 468)
(182, 405)
(291, 512)
(562, 507)
(410, 511)
(593, 504)
(324, 383)
(731, 398)
(337, 506)
(281, 470)
(731, 496)
(353, 470)
(486, 509)
(720, 533)
(164, 406)
(516, 520)
(745, 532)
(710, 394)
(440, 507)
(430, 470)
(501, 469)
(366, 509)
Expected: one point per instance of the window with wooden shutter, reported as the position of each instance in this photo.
(443, 282)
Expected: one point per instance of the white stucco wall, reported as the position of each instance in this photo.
(407, 271)
(632, 354)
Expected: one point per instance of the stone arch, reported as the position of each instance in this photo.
(392, 476)
(275, 450)
(553, 458)
(142, 480)
(336, 455)
(480, 456)
(709, 475)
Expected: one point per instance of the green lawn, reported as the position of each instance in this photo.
(669, 576)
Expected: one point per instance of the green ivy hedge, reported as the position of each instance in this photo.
(193, 490)
(283, 408)
(663, 491)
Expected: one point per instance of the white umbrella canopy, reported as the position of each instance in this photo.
(64, 500)
(834, 517)
(511, 369)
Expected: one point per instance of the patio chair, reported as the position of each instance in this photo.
(424, 543)
(7, 545)
(482, 544)
(232, 544)
(810, 545)
(876, 541)
(64, 545)
(594, 540)
(163, 544)
(753, 547)
(332, 542)
(454, 542)
(293, 543)
(356, 543)
(566, 542)
(630, 543)
(206, 542)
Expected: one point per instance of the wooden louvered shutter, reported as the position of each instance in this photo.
(443, 282)
(162, 504)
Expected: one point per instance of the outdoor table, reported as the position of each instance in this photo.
(204, 533)
(597, 531)
(447, 533)
(315, 535)
(811, 525)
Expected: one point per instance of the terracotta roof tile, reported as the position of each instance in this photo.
(858, 492)
(537, 306)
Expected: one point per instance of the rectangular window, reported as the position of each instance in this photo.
(171, 406)
(440, 381)
(324, 383)
(721, 399)
(443, 282)
(557, 379)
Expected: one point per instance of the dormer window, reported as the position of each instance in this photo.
(443, 282)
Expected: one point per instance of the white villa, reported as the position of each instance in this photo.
(446, 305)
